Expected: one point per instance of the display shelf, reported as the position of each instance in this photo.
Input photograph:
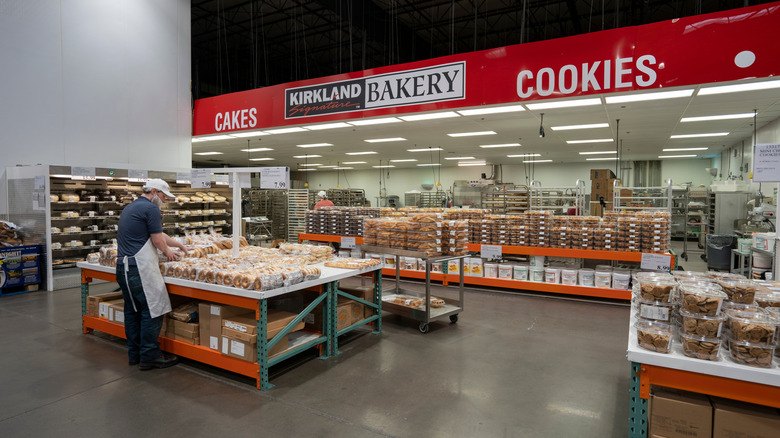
(556, 288)
(88, 202)
(622, 256)
(557, 198)
(325, 238)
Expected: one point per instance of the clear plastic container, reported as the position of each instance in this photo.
(702, 300)
(754, 327)
(656, 288)
(739, 291)
(587, 277)
(521, 272)
(725, 275)
(702, 325)
(690, 275)
(747, 353)
(766, 298)
(700, 347)
(728, 305)
(654, 336)
(654, 310)
(774, 312)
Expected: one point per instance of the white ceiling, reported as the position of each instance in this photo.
(645, 129)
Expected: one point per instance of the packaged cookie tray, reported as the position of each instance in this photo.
(757, 355)
(700, 347)
(654, 336)
(701, 325)
(701, 300)
(738, 291)
(752, 326)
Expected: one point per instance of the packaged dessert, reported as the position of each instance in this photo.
(701, 325)
(700, 347)
(747, 353)
(701, 300)
(768, 298)
(658, 288)
(739, 291)
(754, 327)
(654, 336)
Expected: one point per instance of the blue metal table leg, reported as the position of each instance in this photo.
(637, 419)
(262, 345)
(378, 301)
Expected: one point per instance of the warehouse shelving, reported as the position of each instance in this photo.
(559, 199)
(507, 200)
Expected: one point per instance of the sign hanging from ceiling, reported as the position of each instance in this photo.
(666, 54)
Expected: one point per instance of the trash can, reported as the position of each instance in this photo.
(719, 250)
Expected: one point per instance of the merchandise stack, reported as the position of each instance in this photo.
(539, 225)
(455, 234)
(601, 188)
(560, 234)
(655, 229)
(519, 230)
(629, 234)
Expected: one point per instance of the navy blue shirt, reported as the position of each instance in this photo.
(139, 220)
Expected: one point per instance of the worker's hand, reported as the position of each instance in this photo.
(186, 249)
(172, 255)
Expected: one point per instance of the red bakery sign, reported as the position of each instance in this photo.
(726, 46)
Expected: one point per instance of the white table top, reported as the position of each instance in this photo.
(327, 275)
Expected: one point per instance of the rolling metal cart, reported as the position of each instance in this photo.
(424, 314)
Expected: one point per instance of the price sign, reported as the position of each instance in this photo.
(40, 182)
(347, 242)
(221, 178)
(491, 252)
(656, 262)
(182, 177)
(200, 179)
(137, 175)
(83, 173)
(274, 177)
(766, 163)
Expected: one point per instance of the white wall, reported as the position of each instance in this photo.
(684, 170)
(95, 83)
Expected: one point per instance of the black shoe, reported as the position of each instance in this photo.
(163, 361)
(132, 362)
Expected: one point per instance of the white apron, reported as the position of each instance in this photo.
(151, 279)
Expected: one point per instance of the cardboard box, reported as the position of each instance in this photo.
(93, 301)
(210, 316)
(189, 330)
(116, 312)
(733, 419)
(679, 414)
(104, 306)
(596, 174)
(244, 346)
(360, 311)
(188, 340)
(246, 323)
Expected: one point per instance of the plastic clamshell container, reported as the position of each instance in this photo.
(728, 305)
(748, 353)
(654, 336)
(725, 275)
(662, 311)
(656, 288)
(754, 327)
(689, 275)
(766, 298)
(700, 347)
(774, 312)
(701, 325)
(739, 291)
(701, 300)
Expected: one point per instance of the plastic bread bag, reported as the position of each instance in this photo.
(292, 276)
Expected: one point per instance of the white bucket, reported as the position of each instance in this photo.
(762, 261)
(521, 272)
(756, 273)
(435, 267)
(505, 271)
(603, 278)
(491, 270)
(410, 263)
(765, 241)
(552, 275)
(621, 280)
(453, 267)
(536, 261)
(537, 274)
(389, 260)
(475, 267)
(569, 277)
(587, 277)
(744, 245)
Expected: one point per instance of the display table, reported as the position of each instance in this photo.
(722, 378)
(257, 301)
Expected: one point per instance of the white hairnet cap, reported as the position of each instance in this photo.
(322, 194)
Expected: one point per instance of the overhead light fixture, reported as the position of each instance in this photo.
(595, 140)
(602, 159)
(306, 170)
(720, 117)
(643, 97)
(313, 145)
(570, 127)
(429, 164)
(211, 138)
(472, 163)
(362, 153)
(504, 145)
(197, 139)
(374, 121)
(384, 140)
(208, 153)
(541, 127)
(328, 167)
(343, 168)
(284, 130)
(738, 88)
(248, 134)
(431, 116)
(256, 150)
(310, 164)
(424, 149)
(537, 161)
(354, 162)
(492, 110)
(261, 159)
(705, 134)
(403, 161)
(459, 158)
(523, 155)
(684, 149)
(383, 166)
(598, 153)
(307, 156)
(327, 126)
(471, 134)
(564, 104)
(677, 156)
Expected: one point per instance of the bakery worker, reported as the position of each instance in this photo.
(139, 237)
(324, 201)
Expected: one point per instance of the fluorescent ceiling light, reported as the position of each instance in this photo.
(256, 150)
(429, 164)
(384, 140)
(361, 153)
(284, 130)
(327, 126)
(766, 85)
(354, 162)
(564, 104)
(597, 140)
(424, 149)
(374, 121)
(598, 153)
(431, 116)
(310, 164)
(403, 161)
(570, 127)
(684, 149)
(642, 97)
(197, 139)
(343, 168)
(504, 145)
(248, 134)
(261, 159)
(602, 159)
(383, 166)
(307, 156)
(705, 134)
(208, 153)
(721, 117)
(493, 110)
(313, 145)
(460, 158)
(213, 137)
(472, 164)
(471, 134)
(523, 155)
(327, 167)
(537, 161)
(676, 156)
(306, 170)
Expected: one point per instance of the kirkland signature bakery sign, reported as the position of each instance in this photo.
(410, 87)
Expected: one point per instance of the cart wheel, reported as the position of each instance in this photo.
(423, 327)
(454, 318)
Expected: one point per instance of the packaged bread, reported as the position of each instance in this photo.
(69, 197)
(196, 199)
(54, 198)
(182, 198)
